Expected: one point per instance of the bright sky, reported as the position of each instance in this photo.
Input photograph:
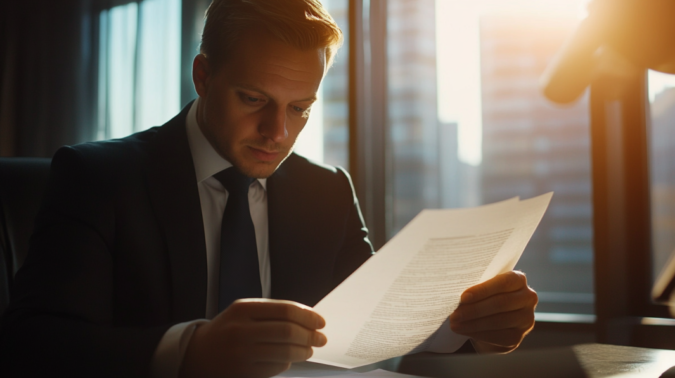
(658, 82)
(310, 142)
(458, 60)
(458, 68)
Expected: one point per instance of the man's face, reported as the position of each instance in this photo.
(253, 107)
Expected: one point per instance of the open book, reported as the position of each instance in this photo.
(399, 301)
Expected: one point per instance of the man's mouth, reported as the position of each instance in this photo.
(264, 155)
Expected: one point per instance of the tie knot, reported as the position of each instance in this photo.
(234, 181)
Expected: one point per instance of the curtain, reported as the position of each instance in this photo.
(48, 67)
(139, 66)
(73, 71)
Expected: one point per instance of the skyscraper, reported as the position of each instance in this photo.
(531, 147)
(334, 94)
(413, 122)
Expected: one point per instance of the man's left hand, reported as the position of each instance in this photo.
(496, 314)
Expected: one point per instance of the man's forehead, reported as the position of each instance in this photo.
(266, 72)
(291, 63)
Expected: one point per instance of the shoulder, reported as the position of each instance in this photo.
(102, 166)
(111, 152)
(132, 151)
(302, 168)
(306, 179)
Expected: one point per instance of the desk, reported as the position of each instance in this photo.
(586, 360)
(599, 360)
(581, 361)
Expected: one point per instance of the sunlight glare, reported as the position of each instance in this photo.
(458, 59)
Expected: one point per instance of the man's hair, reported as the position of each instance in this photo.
(303, 24)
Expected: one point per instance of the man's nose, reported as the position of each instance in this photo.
(273, 125)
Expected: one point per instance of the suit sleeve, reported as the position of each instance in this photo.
(61, 319)
(356, 247)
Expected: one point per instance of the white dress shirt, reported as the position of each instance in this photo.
(213, 198)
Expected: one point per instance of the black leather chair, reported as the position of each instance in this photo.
(22, 185)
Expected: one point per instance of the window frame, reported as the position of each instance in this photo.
(368, 161)
(622, 217)
(620, 184)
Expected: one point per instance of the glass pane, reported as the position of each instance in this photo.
(158, 63)
(116, 70)
(662, 167)
(325, 138)
(468, 125)
(139, 66)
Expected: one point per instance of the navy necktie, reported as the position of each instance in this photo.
(239, 268)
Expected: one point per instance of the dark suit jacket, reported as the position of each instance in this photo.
(119, 255)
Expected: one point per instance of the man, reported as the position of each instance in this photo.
(141, 239)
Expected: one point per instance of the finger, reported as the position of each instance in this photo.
(281, 353)
(522, 320)
(525, 298)
(505, 338)
(267, 309)
(502, 283)
(280, 332)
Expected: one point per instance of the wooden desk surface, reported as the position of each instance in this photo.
(586, 360)
(580, 361)
(601, 360)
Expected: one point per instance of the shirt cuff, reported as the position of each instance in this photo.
(444, 340)
(171, 349)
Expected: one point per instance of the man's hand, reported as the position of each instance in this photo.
(496, 314)
(253, 338)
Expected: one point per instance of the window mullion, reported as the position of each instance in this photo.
(368, 111)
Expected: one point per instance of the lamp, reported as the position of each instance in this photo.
(619, 37)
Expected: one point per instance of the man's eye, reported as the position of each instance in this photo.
(298, 109)
(251, 100)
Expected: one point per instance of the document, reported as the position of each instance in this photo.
(378, 373)
(395, 303)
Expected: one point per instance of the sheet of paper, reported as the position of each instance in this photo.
(395, 302)
(379, 373)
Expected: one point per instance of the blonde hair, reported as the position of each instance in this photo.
(303, 24)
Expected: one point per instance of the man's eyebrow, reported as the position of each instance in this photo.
(313, 98)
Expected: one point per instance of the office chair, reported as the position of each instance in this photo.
(22, 185)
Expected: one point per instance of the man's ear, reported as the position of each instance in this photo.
(201, 74)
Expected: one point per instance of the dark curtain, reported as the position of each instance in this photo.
(48, 74)
(49, 52)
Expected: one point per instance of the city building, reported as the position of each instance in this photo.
(413, 120)
(531, 147)
(335, 94)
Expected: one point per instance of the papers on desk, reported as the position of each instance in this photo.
(398, 302)
(379, 373)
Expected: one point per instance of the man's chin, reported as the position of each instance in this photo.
(259, 170)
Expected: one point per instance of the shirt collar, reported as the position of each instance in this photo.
(205, 158)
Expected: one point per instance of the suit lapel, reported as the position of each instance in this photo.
(172, 186)
(283, 237)
(299, 244)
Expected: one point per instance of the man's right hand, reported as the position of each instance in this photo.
(253, 338)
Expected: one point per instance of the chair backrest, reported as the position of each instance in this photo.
(22, 185)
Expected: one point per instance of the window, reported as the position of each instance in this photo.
(468, 125)
(662, 167)
(325, 138)
(139, 66)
